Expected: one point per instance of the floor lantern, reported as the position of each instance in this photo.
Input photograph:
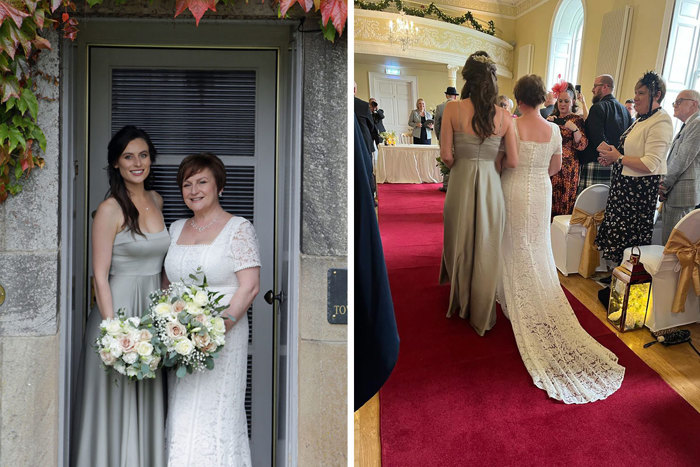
(630, 294)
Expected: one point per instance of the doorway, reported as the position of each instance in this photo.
(193, 92)
(396, 96)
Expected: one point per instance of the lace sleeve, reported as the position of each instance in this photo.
(243, 247)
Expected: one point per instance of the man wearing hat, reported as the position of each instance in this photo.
(451, 95)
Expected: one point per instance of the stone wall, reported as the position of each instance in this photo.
(323, 346)
(29, 266)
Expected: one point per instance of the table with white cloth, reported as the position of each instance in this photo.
(408, 163)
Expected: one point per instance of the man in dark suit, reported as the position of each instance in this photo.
(607, 120)
(369, 133)
(377, 115)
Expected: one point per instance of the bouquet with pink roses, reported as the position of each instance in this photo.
(129, 346)
(189, 325)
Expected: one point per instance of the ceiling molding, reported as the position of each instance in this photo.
(440, 42)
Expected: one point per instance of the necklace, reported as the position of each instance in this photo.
(204, 227)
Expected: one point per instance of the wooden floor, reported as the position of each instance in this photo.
(678, 365)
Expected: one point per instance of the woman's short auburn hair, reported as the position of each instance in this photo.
(530, 90)
(195, 163)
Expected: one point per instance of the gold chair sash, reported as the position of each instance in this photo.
(590, 257)
(688, 255)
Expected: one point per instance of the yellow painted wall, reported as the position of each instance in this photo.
(645, 36)
(431, 84)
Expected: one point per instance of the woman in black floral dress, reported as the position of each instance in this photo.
(636, 171)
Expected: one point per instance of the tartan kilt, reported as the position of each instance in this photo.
(591, 174)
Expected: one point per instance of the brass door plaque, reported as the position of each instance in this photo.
(2, 295)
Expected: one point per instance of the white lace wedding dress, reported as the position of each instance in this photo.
(560, 356)
(206, 422)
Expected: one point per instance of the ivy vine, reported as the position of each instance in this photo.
(21, 41)
(431, 9)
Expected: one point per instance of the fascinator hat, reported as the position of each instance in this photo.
(654, 83)
(561, 86)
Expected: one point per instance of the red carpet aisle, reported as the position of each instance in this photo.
(457, 399)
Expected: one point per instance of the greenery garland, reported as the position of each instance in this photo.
(430, 10)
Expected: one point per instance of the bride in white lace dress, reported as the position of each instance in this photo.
(560, 356)
(206, 422)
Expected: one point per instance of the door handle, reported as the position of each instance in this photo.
(270, 297)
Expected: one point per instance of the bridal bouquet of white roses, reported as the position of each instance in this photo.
(188, 323)
(128, 346)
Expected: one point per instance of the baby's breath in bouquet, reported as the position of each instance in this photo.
(189, 324)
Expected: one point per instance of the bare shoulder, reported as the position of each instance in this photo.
(109, 213)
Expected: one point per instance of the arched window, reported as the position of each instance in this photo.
(565, 46)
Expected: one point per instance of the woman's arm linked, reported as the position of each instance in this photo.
(107, 223)
(248, 288)
(510, 161)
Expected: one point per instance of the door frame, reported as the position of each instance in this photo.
(412, 80)
(281, 36)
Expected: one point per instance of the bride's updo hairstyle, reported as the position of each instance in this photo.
(195, 163)
(481, 86)
(117, 187)
(530, 91)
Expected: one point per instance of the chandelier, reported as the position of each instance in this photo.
(402, 32)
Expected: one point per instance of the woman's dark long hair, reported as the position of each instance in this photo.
(572, 94)
(117, 187)
(481, 86)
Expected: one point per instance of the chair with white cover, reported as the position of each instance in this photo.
(406, 138)
(569, 239)
(665, 270)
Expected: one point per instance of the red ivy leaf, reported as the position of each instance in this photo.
(285, 5)
(337, 11)
(41, 43)
(39, 18)
(64, 17)
(197, 7)
(8, 11)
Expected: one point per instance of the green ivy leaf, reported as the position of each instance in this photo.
(16, 138)
(38, 135)
(328, 31)
(30, 101)
(4, 132)
(18, 171)
(181, 371)
(10, 104)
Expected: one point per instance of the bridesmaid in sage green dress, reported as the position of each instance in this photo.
(472, 132)
(117, 422)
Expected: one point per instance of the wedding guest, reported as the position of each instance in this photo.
(450, 95)
(120, 422)
(473, 129)
(606, 121)
(506, 103)
(571, 126)
(422, 123)
(637, 166)
(377, 115)
(629, 105)
(680, 187)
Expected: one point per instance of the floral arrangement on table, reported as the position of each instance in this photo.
(188, 323)
(129, 346)
(389, 138)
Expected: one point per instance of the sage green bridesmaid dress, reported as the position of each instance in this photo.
(117, 422)
(473, 226)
